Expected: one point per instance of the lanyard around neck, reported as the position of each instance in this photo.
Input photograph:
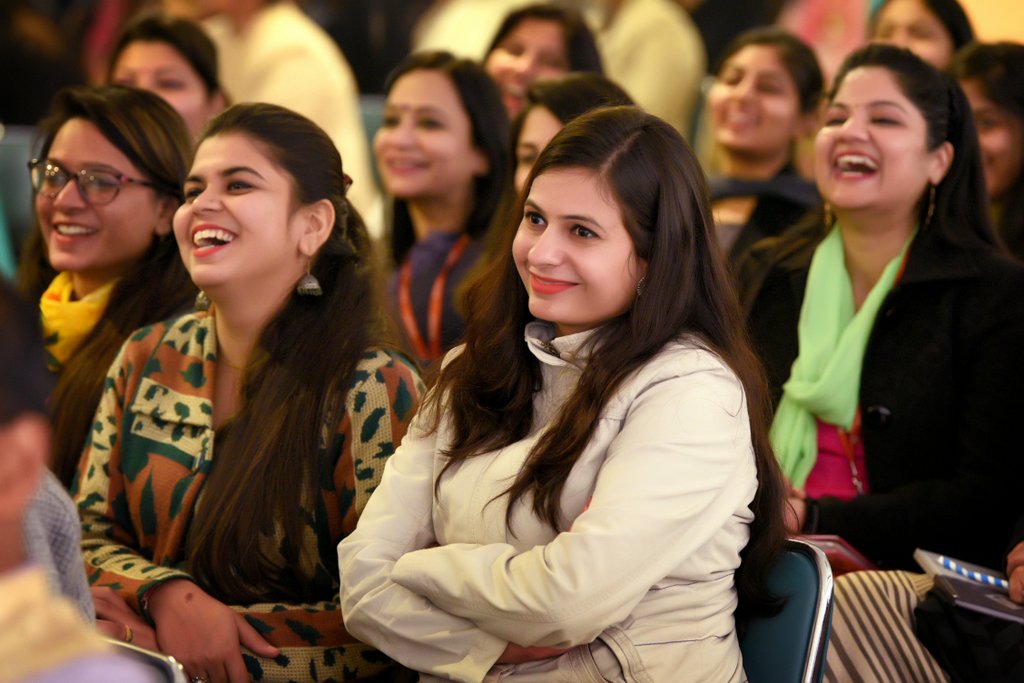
(431, 349)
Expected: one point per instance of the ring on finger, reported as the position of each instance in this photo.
(200, 679)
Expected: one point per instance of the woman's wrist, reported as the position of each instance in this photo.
(158, 597)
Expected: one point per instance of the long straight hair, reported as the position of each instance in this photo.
(266, 481)
(487, 391)
(154, 138)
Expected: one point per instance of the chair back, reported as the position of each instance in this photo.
(166, 668)
(790, 647)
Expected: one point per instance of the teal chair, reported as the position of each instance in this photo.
(791, 646)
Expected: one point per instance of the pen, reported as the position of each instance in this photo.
(987, 579)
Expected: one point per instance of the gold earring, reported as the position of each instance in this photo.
(830, 218)
(931, 207)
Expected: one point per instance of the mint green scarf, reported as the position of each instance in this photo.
(825, 380)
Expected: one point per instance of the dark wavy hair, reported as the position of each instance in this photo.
(267, 472)
(570, 96)
(797, 58)
(489, 127)
(580, 46)
(153, 136)
(186, 37)
(998, 69)
(488, 390)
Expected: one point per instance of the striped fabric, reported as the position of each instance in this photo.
(873, 630)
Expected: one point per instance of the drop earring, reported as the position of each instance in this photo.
(830, 218)
(640, 285)
(308, 284)
(202, 301)
(931, 207)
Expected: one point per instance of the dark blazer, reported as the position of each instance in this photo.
(941, 400)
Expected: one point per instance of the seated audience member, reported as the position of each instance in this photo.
(763, 101)
(538, 41)
(271, 51)
(893, 333)
(992, 76)
(234, 448)
(654, 51)
(576, 504)
(443, 157)
(103, 262)
(174, 59)
(550, 104)
(42, 636)
(932, 29)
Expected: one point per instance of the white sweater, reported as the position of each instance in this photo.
(654, 515)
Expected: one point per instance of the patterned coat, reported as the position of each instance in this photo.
(151, 450)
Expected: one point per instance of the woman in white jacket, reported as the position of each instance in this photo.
(575, 506)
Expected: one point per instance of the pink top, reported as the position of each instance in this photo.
(832, 474)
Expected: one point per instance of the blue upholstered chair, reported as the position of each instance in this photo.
(790, 647)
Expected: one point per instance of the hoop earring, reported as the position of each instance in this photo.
(931, 207)
(830, 218)
(640, 286)
(308, 284)
(202, 301)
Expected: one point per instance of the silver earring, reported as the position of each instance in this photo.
(640, 285)
(202, 301)
(308, 286)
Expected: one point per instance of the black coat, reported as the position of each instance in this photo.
(941, 401)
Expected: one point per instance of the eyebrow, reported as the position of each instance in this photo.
(568, 216)
(416, 109)
(85, 166)
(873, 103)
(227, 172)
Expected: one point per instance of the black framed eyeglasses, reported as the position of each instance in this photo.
(97, 187)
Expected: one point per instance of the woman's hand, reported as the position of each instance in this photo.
(115, 619)
(204, 634)
(515, 654)
(1015, 572)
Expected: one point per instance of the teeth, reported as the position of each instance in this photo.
(73, 230)
(856, 162)
(211, 236)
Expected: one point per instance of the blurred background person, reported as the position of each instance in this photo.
(992, 76)
(270, 51)
(932, 29)
(443, 156)
(535, 42)
(174, 59)
(550, 104)
(763, 102)
(654, 51)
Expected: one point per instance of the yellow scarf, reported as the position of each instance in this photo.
(66, 322)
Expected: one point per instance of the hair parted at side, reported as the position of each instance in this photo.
(488, 120)
(266, 481)
(998, 69)
(961, 215)
(580, 46)
(950, 14)
(153, 136)
(487, 390)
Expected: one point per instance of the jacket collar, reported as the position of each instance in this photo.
(572, 349)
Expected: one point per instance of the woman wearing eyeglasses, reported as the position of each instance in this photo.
(106, 187)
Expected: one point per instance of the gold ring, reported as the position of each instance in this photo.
(128, 635)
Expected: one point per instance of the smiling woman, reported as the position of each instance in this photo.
(102, 263)
(246, 439)
(443, 156)
(588, 492)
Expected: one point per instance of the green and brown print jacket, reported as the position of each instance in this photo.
(151, 450)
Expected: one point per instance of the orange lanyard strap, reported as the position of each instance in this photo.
(436, 304)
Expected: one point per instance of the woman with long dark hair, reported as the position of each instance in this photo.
(891, 328)
(233, 448)
(103, 263)
(580, 500)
